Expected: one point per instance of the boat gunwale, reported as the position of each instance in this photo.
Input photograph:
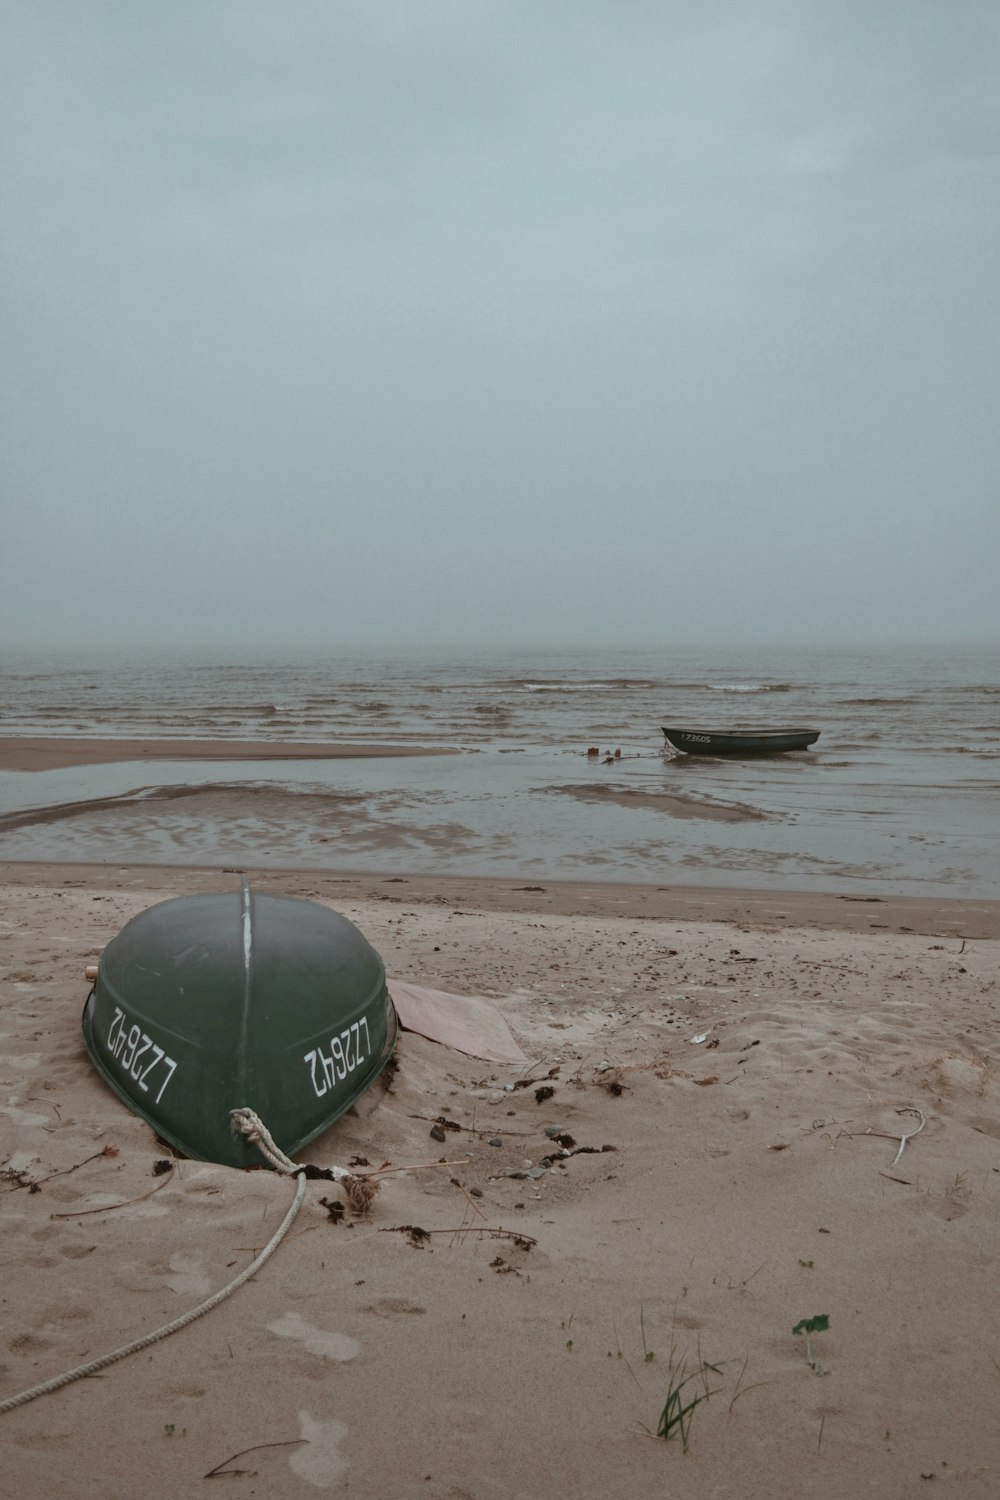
(739, 741)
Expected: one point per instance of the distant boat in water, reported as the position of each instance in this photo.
(740, 742)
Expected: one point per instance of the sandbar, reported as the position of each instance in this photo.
(55, 752)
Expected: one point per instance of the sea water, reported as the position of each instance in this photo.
(900, 793)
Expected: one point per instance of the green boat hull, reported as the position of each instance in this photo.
(211, 1003)
(745, 742)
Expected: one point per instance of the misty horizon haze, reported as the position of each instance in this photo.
(499, 326)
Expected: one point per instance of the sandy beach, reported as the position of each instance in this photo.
(25, 752)
(733, 1073)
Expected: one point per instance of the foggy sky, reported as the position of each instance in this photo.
(443, 321)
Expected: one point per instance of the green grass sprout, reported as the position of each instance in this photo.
(740, 1388)
(678, 1410)
(808, 1326)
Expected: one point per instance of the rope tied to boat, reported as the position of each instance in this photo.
(252, 1126)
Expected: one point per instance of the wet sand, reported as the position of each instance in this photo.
(49, 753)
(397, 809)
(673, 804)
(735, 1070)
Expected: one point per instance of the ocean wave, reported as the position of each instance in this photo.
(748, 687)
(600, 685)
(30, 676)
(891, 702)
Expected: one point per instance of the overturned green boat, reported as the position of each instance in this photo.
(210, 1003)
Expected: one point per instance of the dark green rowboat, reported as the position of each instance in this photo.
(740, 741)
(211, 1003)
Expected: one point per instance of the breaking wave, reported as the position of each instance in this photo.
(749, 687)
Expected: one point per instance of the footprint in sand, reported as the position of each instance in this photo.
(329, 1345)
(54, 1318)
(185, 1392)
(75, 1251)
(319, 1460)
(188, 1277)
(391, 1307)
(29, 1343)
(23, 1118)
(21, 1161)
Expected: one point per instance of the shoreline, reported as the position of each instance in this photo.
(59, 752)
(546, 818)
(949, 917)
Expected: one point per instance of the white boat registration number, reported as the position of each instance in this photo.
(345, 1055)
(138, 1055)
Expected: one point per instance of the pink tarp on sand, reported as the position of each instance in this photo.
(465, 1022)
